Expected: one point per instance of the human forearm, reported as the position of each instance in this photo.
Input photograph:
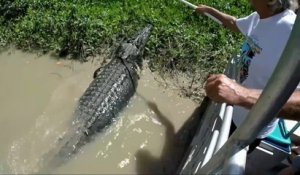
(248, 97)
(290, 110)
(227, 20)
(221, 89)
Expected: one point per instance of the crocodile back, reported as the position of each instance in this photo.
(107, 94)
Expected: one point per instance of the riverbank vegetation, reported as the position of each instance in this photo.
(181, 39)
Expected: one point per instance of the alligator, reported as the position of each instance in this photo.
(113, 85)
(109, 92)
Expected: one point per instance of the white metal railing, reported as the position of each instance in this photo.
(215, 132)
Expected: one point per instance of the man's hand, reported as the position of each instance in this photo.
(201, 9)
(221, 89)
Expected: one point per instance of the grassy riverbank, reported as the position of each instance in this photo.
(181, 40)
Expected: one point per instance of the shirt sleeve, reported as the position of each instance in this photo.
(244, 24)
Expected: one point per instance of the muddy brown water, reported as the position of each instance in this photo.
(38, 95)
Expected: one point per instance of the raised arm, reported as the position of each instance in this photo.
(227, 20)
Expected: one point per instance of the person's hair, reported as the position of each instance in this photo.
(280, 5)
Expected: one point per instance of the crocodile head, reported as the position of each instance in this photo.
(132, 50)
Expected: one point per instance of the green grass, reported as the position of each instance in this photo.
(181, 39)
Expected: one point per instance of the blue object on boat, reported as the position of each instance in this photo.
(279, 135)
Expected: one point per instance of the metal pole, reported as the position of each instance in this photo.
(211, 147)
(233, 73)
(222, 111)
(281, 85)
(207, 14)
(225, 129)
(236, 162)
(293, 130)
(220, 136)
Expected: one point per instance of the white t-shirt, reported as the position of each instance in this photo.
(266, 40)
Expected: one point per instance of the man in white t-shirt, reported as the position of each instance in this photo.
(267, 31)
(265, 40)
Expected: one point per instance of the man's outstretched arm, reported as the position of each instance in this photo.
(227, 20)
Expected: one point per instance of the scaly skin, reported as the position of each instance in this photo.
(106, 96)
